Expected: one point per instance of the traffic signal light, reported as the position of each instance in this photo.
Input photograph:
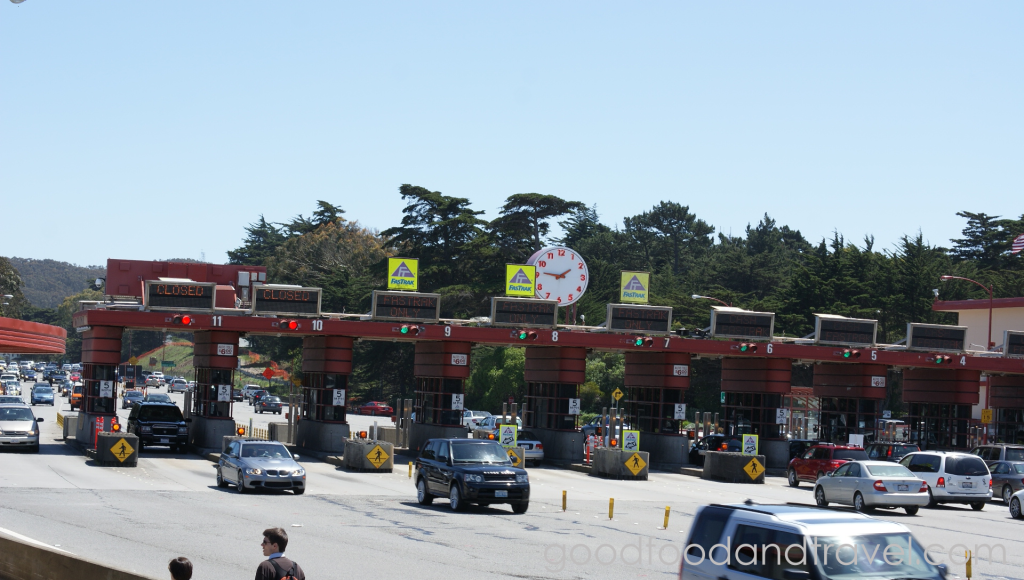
(643, 341)
(942, 359)
(851, 353)
(412, 329)
(748, 347)
(526, 334)
(184, 319)
(289, 325)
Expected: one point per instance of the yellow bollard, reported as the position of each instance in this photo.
(410, 470)
(611, 507)
(968, 554)
(563, 500)
(667, 509)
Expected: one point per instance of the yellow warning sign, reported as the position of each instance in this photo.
(513, 455)
(134, 360)
(635, 464)
(377, 456)
(986, 416)
(754, 469)
(617, 394)
(122, 450)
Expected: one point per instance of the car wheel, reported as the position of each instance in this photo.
(1015, 508)
(911, 510)
(978, 506)
(858, 503)
(240, 486)
(220, 479)
(819, 497)
(455, 499)
(821, 474)
(931, 499)
(422, 495)
(521, 507)
(34, 449)
(793, 481)
(1007, 494)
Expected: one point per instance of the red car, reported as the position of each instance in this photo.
(75, 377)
(375, 408)
(820, 460)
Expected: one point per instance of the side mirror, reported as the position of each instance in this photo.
(39, 419)
(188, 420)
(296, 457)
(792, 574)
(831, 474)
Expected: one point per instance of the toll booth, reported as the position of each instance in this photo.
(326, 366)
(553, 377)
(754, 389)
(441, 370)
(215, 359)
(1007, 403)
(939, 401)
(850, 398)
(101, 353)
(655, 383)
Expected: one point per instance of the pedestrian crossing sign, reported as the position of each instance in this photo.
(754, 469)
(377, 456)
(513, 456)
(635, 464)
(122, 450)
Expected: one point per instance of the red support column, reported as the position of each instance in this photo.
(655, 383)
(326, 366)
(215, 359)
(101, 353)
(553, 376)
(940, 405)
(1007, 392)
(441, 370)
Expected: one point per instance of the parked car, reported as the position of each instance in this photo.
(890, 451)
(57, 377)
(154, 381)
(158, 424)
(255, 395)
(252, 464)
(869, 484)
(76, 367)
(532, 447)
(76, 397)
(375, 408)
(469, 471)
(819, 460)
(756, 529)
(19, 428)
(269, 403)
(999, 452)
(470, 419)
(492, 422)
(42, 394)
(952, 477)
(75, 377)
(798, 447)
(236, 394)
(248, 390)
(177, 386)
(1007, 478)
(729, 443)
(130, 398)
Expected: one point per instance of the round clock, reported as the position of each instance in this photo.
(562, 274)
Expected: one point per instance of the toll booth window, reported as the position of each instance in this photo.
(102, 405)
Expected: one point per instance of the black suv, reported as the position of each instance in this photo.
(158, 424)
(730, 443)
(470, 471)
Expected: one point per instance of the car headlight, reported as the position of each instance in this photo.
(522, 478)
(146, 429)
(183, 430)
(33, 432)
(254, 471)
(473, 477)
(299, 472)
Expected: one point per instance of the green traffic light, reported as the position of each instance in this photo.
(846, 354)
(743, 348)
(405, 330)
(522, 335)
(639, 342)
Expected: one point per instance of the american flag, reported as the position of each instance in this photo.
(1018, 244)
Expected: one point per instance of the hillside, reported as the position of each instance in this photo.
(48, 282)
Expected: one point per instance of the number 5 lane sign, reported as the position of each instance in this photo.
(457, 402)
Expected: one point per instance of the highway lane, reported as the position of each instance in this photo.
(356, 524)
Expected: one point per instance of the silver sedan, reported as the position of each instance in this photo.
(869, 484)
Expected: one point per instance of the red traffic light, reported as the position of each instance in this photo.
(289, 325)
(184, 320)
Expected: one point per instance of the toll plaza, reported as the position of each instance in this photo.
(224, 303)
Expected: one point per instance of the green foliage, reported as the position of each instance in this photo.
(496, 373)
(48, 282)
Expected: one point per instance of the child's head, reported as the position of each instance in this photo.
(180, 568)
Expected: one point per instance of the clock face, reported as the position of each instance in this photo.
(562, 274)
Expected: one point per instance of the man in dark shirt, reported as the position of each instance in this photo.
(276, 566)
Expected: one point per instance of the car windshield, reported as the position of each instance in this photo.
(271, 450)
(967, 465)
(159, 398)
(16, 414)
(850, 454)
(273, 399)
(1014, 454)
(160, 413)
(488, 452)
(863, 556)
(889, 471)
(42, 389)
(133, 395)
(526, 436)
(10, 399)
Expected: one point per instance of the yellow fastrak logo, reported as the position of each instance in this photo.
(403, 274)
(520, 280)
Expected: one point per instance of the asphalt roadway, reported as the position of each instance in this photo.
(356, 525)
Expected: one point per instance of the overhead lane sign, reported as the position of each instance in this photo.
(403, 274)
(520, 280)
(634, 287)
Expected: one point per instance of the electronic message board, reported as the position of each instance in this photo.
(840, 330)
(728, 322)
(524, 312)
(406, 306)
(639, 319)
(286, 300)
(1013, 343)
(182, 295)
(936, 337)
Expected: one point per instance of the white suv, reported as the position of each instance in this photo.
(758, 533)
(952, 477)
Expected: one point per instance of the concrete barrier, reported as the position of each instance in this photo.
(359, 452)
(612, 462)
(22, 560)
(112, 452)
(724, 466)
(70, 425)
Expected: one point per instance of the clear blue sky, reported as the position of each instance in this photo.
(154, 130)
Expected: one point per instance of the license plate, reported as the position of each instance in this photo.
(527, 446)
(902, 488)
(967, 484)
(500, 493)
(164, 440)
